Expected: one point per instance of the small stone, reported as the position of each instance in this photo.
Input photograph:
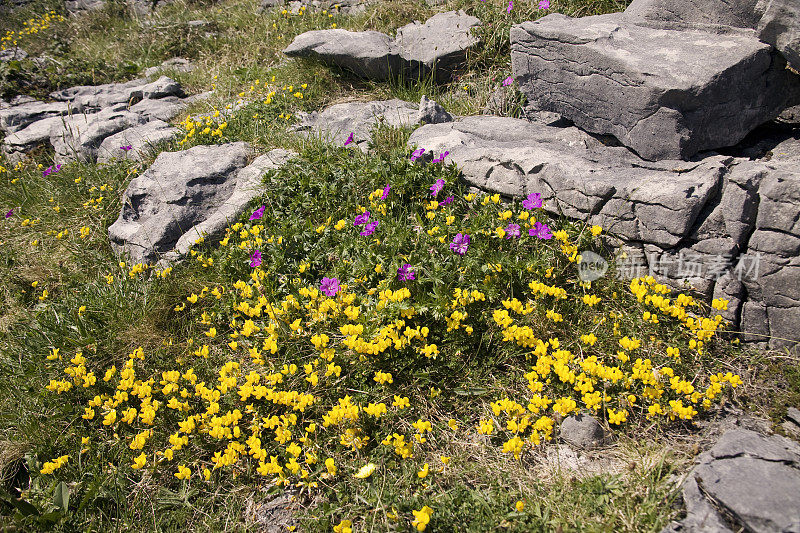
(430, 112)
(793, 415)
(582, 430)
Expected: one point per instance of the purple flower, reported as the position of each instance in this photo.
(460, 243)
(533, 201)
(369, 229)
(10, 213)
(541, 231)
(447, 201)
(508, 81)
(544, 4)
(330, 286)
(363, 218)
(386, 192)
(404, 273)
(510, 7)
(441, 156)
(416, 154)
(349, 139)
(258, 213)
(512, 230)
(255, 259)
(126, 148)
(437, 187)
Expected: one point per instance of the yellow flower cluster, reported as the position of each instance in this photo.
(31, 26)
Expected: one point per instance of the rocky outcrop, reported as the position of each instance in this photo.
(438, 46)
(746, 482)
(780, 27)
(664, 93)
(345, 7)
(81, 118)
(337, 122)
(176, 64)
(137, 142)
(184, 195)
(724, 225)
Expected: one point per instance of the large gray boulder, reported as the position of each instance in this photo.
(665, 94)
(438, 46)
(780, 27)
(248, 186)
(162, 109)
(142, 140)
(337, 122)
(746, 482)
(712, 15)
(178, 191)
(369, 54)
(79, 136)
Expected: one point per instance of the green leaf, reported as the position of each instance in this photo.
(26, 508)
(61, 496)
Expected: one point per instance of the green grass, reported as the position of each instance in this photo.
(630, 485)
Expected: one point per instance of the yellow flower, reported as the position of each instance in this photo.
(345, 526)
(139, 462)
(183, 472)
(365, 471)
(422, 518)
(519, 506)
(597, 230)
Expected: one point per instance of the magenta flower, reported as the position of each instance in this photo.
(512, 230)
(50, 170)
(447, 201)
(258, 213)
(369, 229)
(416, 154)
(460, 243)
(510, 7)
(363, 218)
(533, 201)
(404, 273)
(508, 81)
(441, 156)
(541, 231)
(386, 190)
(255, 259)
(437, 187)
(544, 4)
(10, 213)
(330, 286)
(126, 148)
(349, 139)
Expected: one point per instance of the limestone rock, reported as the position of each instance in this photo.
(94, 97)
(16, 145)
(178, 64)
(17, 117)
(336, 122)
(142, 140)
(162, 109)
(248, 186)
(582, 430)
(178, 191)
(439, 45)
(698, 14)
(430, 112)
(665, 94)
(80, 136)
(12, 54)
(780, 27)
(369, 54)
(751, 480)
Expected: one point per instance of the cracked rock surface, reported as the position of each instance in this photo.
(187, 194)
(666, 94)
(746, 482)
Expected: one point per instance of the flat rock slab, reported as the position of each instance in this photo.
(17, 117)
(713, 15)
(93, 97)
(745, 482)
(578, 175)
(162, 109)
(780, 27)
(17, 144)
(179, 191)
(439, 45)
(335, 123)
(665, 94)
(177, 64)
(142, 140)
(248, 186)
(79, 137)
